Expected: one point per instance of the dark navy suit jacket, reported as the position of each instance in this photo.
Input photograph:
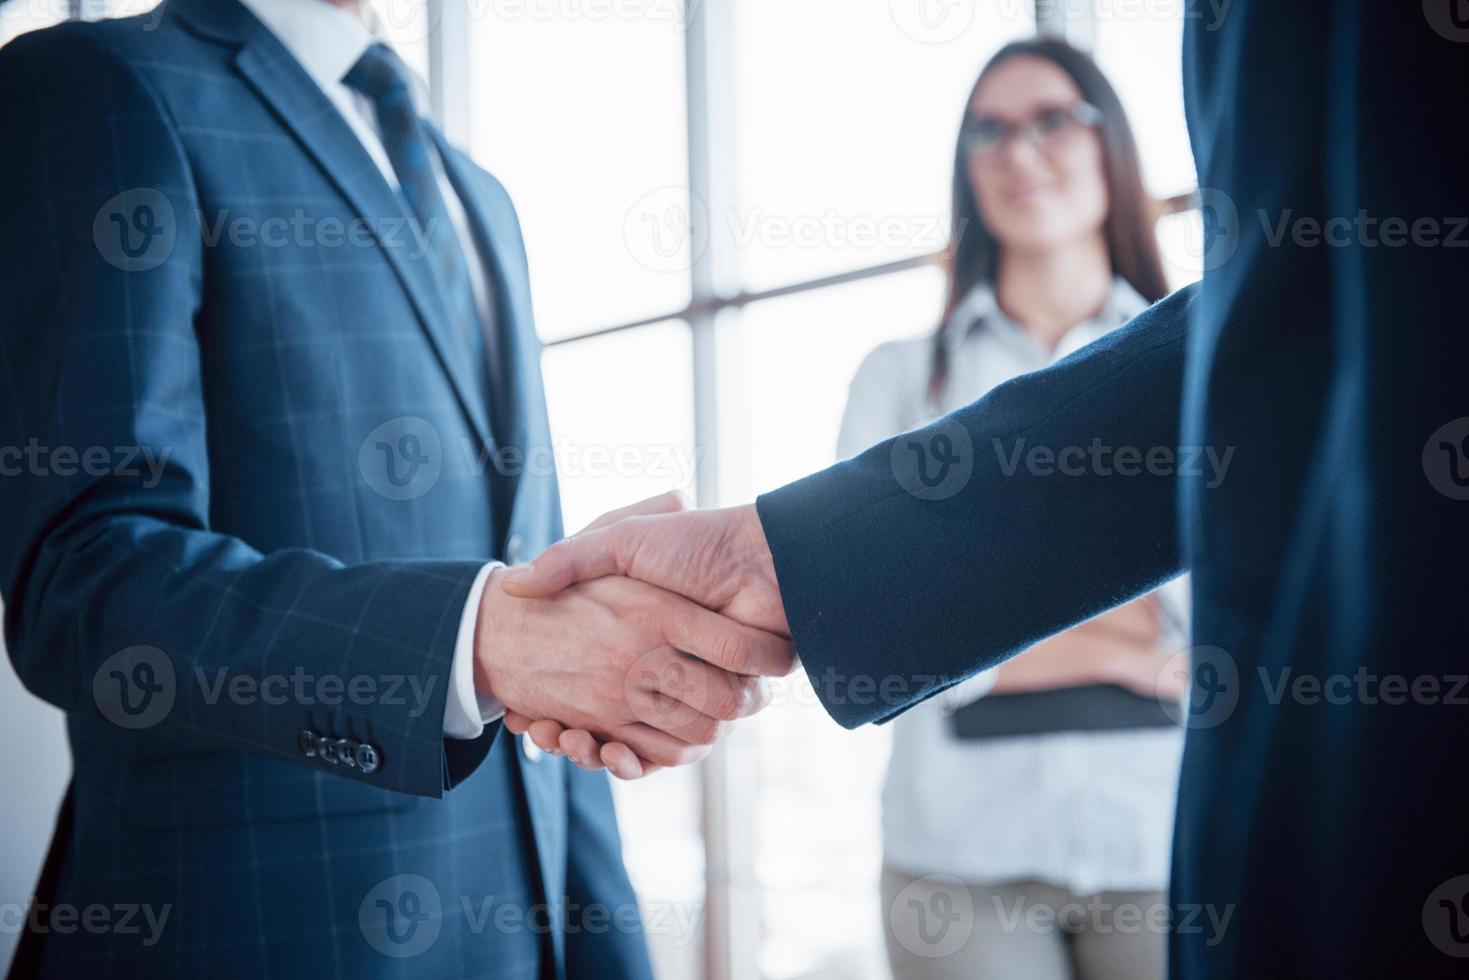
(1326, 819)
(246, 597)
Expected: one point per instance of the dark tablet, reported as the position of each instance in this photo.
(1094, 708)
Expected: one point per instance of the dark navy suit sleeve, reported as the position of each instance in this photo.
(99, 354)
(943, 551)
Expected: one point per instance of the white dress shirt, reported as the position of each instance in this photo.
(328, 40)
(1085, 811)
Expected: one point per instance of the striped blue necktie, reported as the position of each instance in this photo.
(381, 76)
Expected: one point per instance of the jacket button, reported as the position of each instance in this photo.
(326, 749)
(347, 752)
(532, 751)
(306, 742)
(368, 759)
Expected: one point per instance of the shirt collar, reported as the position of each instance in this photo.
(1123, 303)
(979, 310)
(326, 39)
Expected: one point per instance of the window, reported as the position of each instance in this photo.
(806, 239)
(580, 113)
(816, 842)
(847, 115)
(22, 16)
(1140, 47)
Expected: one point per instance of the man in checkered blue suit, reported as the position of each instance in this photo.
(273, 416)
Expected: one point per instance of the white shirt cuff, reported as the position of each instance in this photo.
(466, 711)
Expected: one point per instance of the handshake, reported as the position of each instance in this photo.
(634, 644)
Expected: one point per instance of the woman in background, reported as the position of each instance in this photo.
(1052, 247)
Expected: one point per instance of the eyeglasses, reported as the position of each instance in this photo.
(983, 135)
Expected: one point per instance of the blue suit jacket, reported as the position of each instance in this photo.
(247, 599)
(1328, 833)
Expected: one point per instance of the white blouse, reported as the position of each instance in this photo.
(1088, 812)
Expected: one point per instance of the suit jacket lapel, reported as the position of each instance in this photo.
(319, 127)
(527, 426)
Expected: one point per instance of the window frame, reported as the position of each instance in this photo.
(731, 916)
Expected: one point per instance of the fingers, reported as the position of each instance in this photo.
(547, 734)
(724, 643)
(1171, 679)
(591, 554)
(580, 747)
(672, 502)
(516, 723)
(666, 687)
(659, 711)
(600, 550)
(624, 763)
(660, 748)
(640, 751)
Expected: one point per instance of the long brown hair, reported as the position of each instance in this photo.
(974, 253)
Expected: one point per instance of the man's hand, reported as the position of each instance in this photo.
(624, 660)
(719, 559)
